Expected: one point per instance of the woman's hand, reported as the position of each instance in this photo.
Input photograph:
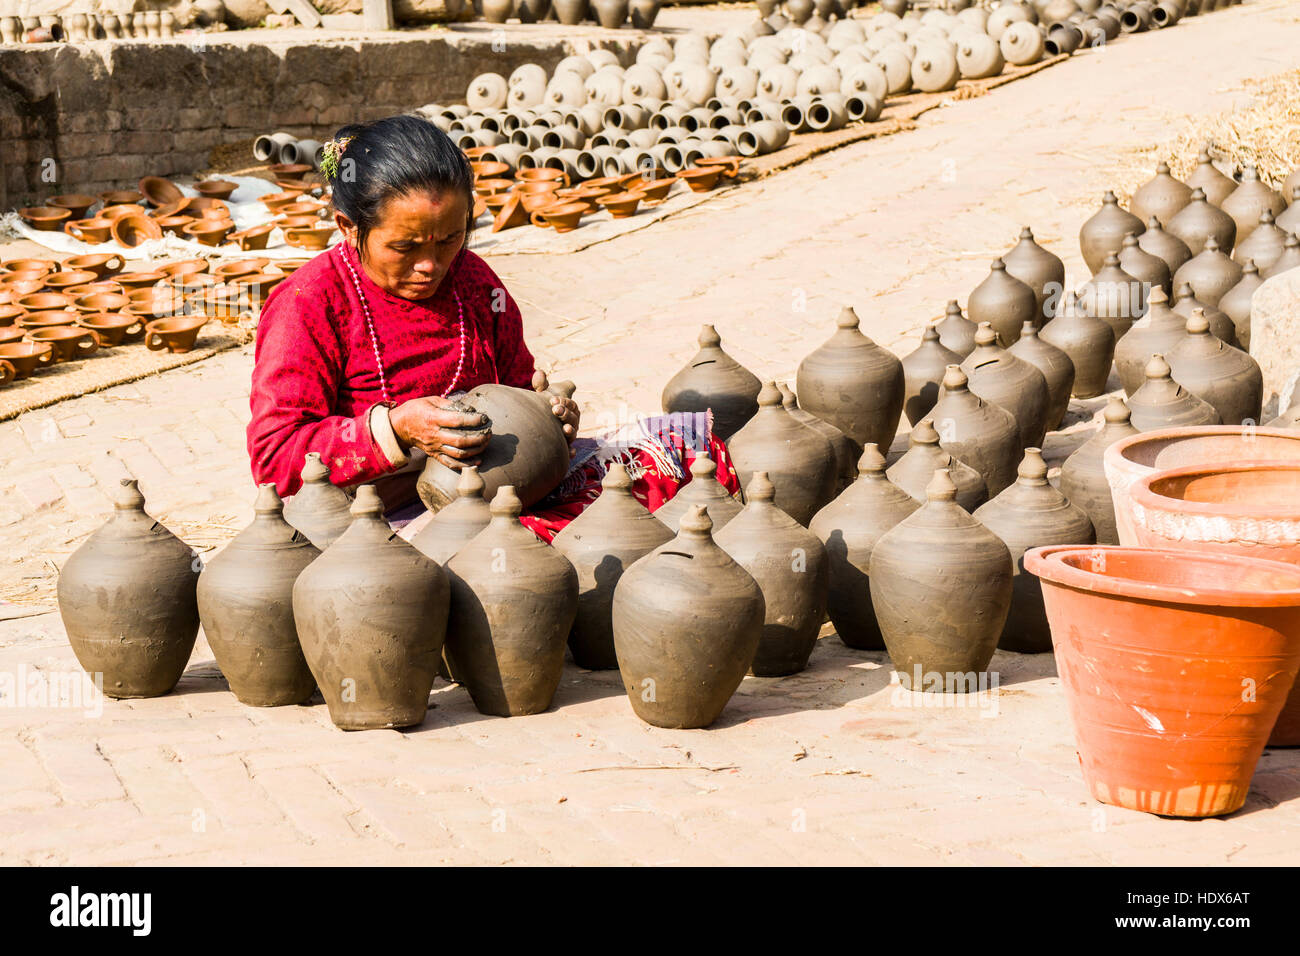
(565, 409)
(430, 425)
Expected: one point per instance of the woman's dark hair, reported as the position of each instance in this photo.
(394, 157)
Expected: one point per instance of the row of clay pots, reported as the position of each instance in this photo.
(80, 27)
(610, 14)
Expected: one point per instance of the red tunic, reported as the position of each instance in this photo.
(315, 376)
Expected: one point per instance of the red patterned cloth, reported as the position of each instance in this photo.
(315, 377)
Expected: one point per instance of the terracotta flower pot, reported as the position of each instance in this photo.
(1154, 648)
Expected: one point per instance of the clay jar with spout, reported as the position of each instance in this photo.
(849, 527)
(799, 462)
(1235, 303)
(923, 373)
(1103, 234)
(854, 384)
(127, 599)
(1199, 220)
(1160, 330)
(1249, 201)
(703, 489)
(1218, 374)
(941, 585)
(513, 602)
(1210, 273)
(1030, 514)
(372, 617)
(320, 509)
(713, 379)
(1056, 367)
(981, 434)
(457, 524)
(687, 623)
(998, 376)
(846, 467)
(1164, 245)
(1083, 475)
(790, 566)
(601, 543)
(1163, 403)
(1089, 343)
(1161, 196)
(913, 471)
(956, 332)
(1040, 270)
(245, 597)
(1004, 302)
(1114, 296)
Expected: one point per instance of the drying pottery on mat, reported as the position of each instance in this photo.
(713, 380)
(69, 343)
(127, 599)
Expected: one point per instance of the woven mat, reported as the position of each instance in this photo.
(109, 367)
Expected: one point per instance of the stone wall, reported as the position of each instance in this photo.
(100, 115)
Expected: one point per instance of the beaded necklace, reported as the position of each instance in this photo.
(374, 339)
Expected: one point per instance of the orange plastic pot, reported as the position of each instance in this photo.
(1175, 666)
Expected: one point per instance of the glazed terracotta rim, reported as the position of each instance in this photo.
(1048, 564)
(1142, 494)
(1120, 448)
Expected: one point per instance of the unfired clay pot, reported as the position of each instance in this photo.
(703, 489)
(1199, 220)
(913, 471)
(923, 374)
(457, 524)
(1115, 296)
(799, 461)
(983, 435)
(790, 566)
(1161, 196)
(1235, 303)
(1103, 234)
(320, 509)
(1218, 374)
(854, 384)
(513, 601)
(245, 597)
(1160, 330)
(1187, 304)
(1144, 266)
(605, 540)
(1163, 403)
(1004, 302)
(1040, 270)
(1210, 273)
(941, 584)
(1165, 245)
(687, 623)
(1089, 343)
(1263, 246)
(127, 599)
(1215, 186)
(998, 376)
(1083, 475)
(1289, 259)
(1249, 200)
(849, 527)
(713, 379)
(372, 617)
(1031, 514)
(846, 466)
(956, 332)
(1056, 367)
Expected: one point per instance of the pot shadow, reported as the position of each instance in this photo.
(203, 677)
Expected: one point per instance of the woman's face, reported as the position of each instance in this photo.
(414, 242)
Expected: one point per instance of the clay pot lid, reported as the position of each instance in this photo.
(289, 170)
(1133, 572)
(102, 302)
(115, 197)
(138, 280)
(134, 230)
(40, 320)
(216, 188)
(44, 217)
(28, 265)
(58, 281)
(160, 191)
(114, 213)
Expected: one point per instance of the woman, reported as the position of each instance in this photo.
(360, 349)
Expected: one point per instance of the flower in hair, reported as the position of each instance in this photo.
(333, 152)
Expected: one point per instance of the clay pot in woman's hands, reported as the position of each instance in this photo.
(712, 379)
(69, 343)
(245, 597)
(923, 372)
(605, 540)
(371, 614)
(26, 357)
(702, 489)
(687, 623)
(175, 334)
(320, 509)
(913, 471)
(127, 599)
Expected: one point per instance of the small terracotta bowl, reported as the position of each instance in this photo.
(174, 225)
(62, 281)
(216, 188)
(45, 302)
(26, 357)
(28, 265)
(102, 264)
(76, 204)
(289, 266)
(621, 205)
(184, 266)
(114, 213)
(130, 281)
(69, 342)
(314, 238)
(289, 170)
(46, 320)
(700, 180)
(655, 191)
(112, 328)
(255, 237)
(45, 218)
(176, 334)
(94, 288)
(160, 191)
(11, 333)
(562, 217)
(10, 314)
(116, 197)
(102, 303)
(275, 201)
(90, 230)
(210, 232)
(488, 187)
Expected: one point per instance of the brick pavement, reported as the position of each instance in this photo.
(827, 766)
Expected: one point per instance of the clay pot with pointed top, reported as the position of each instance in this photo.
(1288, 221)
(713, 379)
(1289, 259)
(1089, 343)
(703, 488)
(854, 384)
(687, 623)
(1215, 186)
(1210, 273)
(849, 527)
(1083, 475)
(1218, 374)
(790, 566)
(1143, 266)
(1161, 196)
(1057, 369)
(604, 541)
(913, 471)
(846, 468)
(321, 510)
(983, 435)
(1235, 303)
(1164, 245)
(799, 461)
(956, 332)
(1251, 199)
(1004, 302)
(1163, 403)
(941, 585)
(1030, 514)
(1264, 245)
(1040, 270)
(1103, 234)
(457, 524)
(1186, 304)
(245, 598)
(1199, 220)
(372, 617)
(1114, 296)
(1160, 330)
(127, 599)
(999, 376)
(923, 374)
